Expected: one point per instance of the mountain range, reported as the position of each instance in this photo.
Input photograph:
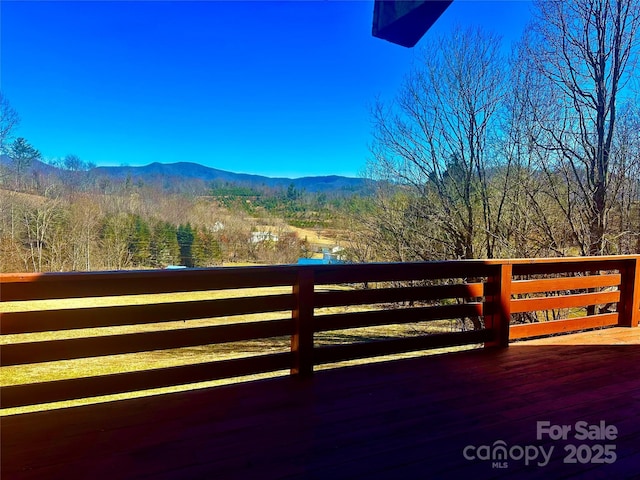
(176, 174)
(196, 171)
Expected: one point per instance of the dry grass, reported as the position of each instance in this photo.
(314, 237)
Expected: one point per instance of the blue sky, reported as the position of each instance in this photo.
(271, 88)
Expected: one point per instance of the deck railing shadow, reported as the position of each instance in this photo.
(492, 294)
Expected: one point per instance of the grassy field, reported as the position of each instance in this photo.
(314, 237)
(34, 373)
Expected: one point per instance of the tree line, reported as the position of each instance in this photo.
(535, 152)
(65, 221)
(143, 228)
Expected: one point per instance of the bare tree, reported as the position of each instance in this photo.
(9, 120)
(535, 224)
(83, 234)
(435, 145)
(39, 224)
(625, 216)
(115, 237)
(584, 52)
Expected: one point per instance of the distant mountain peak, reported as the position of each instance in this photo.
(191, 170)
(184, 172)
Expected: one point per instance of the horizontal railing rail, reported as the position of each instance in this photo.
(573, 287)
(373, 309)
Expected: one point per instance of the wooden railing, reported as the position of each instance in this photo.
(312, 304)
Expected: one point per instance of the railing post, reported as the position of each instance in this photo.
(302, 338)
(497, 306)
(629, 305)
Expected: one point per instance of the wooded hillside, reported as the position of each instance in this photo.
(60, 219)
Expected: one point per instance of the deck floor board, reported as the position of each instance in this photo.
(407, 419)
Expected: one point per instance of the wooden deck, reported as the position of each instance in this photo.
(404, 419)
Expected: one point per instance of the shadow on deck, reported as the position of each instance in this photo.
(407, 419)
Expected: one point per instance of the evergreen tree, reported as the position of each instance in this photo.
(185, 242)
(206, 249)
(164, 246)
(140, 242)
(22, 155)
